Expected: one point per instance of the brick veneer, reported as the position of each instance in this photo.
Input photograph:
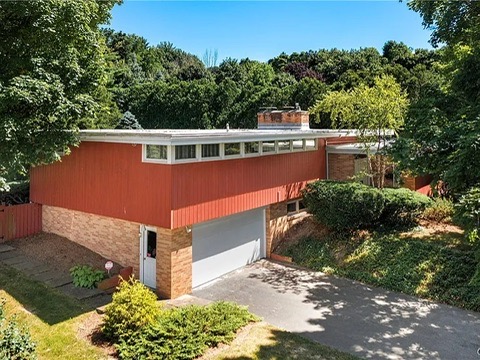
(118, 240)
(341, 166)
(278, 223)
(112, 238)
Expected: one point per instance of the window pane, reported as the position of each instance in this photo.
(310, 144)
(210, 150)
(301, 205)
(284, 145)
(297, 144)
(232, 149)
(251, 148)
(185, 152)
(292, 207)
(157, 152)
(268, 146)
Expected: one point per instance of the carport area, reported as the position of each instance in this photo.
(350, 316)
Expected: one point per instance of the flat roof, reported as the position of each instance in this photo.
(355, 148)
(187, 137)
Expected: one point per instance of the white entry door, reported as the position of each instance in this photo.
(148, 255)
(226, 244)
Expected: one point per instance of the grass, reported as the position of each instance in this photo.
(52, 318)
(265, 342)
(438, 266)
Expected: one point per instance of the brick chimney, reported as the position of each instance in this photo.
(286, 119)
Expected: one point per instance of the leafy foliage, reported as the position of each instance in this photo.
(15, 342)
(86, 276)
(133, 307)
(440, 268)
(185, 333)
(440, 210)
(344, 205)
(128, 121)
(442, 132)
(467, 210)
(373, 111)
(53, 78)
(403, 206)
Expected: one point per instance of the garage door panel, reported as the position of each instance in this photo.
(227, 244)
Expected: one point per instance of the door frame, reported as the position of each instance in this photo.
(143, 238)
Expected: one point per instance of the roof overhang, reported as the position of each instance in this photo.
(357, 148)
(189, 137)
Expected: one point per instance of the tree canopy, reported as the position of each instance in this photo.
(53, 78)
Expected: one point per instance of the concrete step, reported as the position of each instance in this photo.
(9, 254)
(16, 260)
(79, 293)
(60, 280)
(5, 248)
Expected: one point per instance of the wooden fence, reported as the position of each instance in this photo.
(17, 221)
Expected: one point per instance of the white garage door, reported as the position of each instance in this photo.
(226, 244)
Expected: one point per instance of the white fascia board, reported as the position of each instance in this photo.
(214, 137)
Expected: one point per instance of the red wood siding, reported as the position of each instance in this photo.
(111, 180)
(18, 221)
(208, 190)
(106, 179)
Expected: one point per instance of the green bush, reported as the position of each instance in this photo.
(439, 210)
(185, 333)
(344, 205)
(467, 210)
(15, 342)
(133, 307)
(403, 206)
(86, 276)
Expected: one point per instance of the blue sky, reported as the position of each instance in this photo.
(261, 30)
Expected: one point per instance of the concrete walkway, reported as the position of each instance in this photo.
(45, 273)
(368, 322)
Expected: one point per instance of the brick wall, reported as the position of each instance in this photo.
(112, 238)
(278, 223)
(341, 166)
(118, 240)
(179, 258)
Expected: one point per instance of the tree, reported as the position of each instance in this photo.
(128, 121)
(210, 58)
(53, 73)
(374, 111)
(442, 132)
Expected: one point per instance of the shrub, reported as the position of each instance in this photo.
(344, 205)
(467, 210)
(133, 307)
(185, 333)
(439, 210)
(403, 206)
(15, 342)
(86, 276)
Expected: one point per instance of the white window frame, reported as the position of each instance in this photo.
(208, 158)
(297, 211)
(305, 145)
(241, 154)
(198, 151)
(158, 161)
(259, 143)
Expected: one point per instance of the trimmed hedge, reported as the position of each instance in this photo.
(403, 206)
(347, 206)
(185, 333)
(133, 307)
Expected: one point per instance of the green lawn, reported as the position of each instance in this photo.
(54, 320)
(438, 266)
(51, 317)
(261, 341)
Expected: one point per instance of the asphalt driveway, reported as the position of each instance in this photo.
(350, 316)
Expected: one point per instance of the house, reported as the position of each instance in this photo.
(184, 207)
